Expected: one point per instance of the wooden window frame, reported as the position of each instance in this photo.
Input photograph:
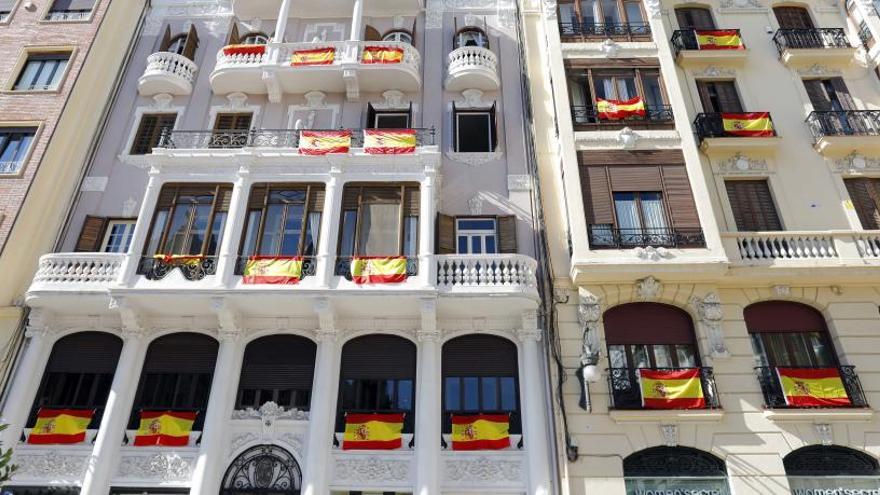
(622, 14)
(108, 230)
(404, 188)
(218, 188)
(591, 74)
(707, 83)
(154, 135)
(310, 189)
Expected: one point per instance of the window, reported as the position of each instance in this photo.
(831, 469)
(6, 7)
(475, 130)
(793, 18)
(118, 234)
(398, 36)
(471, 36)
(674, 470)
(586, 85)
(669, 342)
(152, 127)
(254, 39)
(603, 17)
(639, 214)
(788, 334)
(829, 94)
(380, 220)
(176, 45)
(719, 96)
(865, 195)
(277, 368)
(189, 220)
(467, 235)
(752, 205)
(231, 130)
(388, 119)
(14, 146)
(184, 44)
(476, 235)
(70, 10)
(283, 220)
(694, 18)
(42, 72)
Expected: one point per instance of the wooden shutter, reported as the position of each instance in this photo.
(728, 98)
(783, 316)
(258, 196)
(234, 37)
(181, 353)
(92, 234)
(411, 201)
(679, 197)
(842, 93)
(415, 21)
(85, 352)
(507, 234)
(166, 39)
(752, 205)
(818, 96)
(694, 18)
(278, 361)
(493, 127)
(143, 136)
(224, 198)
(351, 198)
(705, 90)
(479, 355)
(372, 34)
(316, 198)
(865, 195)
(629, 178)
(379, 357)
(371, 117)
(596, 191)
(192, 43)
(233, 122)
(793, 18)
(625, 324)
(445, 234)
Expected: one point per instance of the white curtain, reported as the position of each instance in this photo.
(652, 210)
(627, 214)
(378, 236)
(311, 244)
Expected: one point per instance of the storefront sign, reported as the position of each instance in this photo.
(676, 486)
(833, 485)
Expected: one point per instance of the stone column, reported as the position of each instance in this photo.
(533, 400)
(330, 225)
(227, 255)
(357, 20)
(141, 230)
(25, 382)
(116, 414)
(428, 407)
(281, 24)
(427, 218)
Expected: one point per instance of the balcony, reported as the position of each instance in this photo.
(723, 47)
(774, 394)
(586, 118)
(604, 237)
(487, 273)
(837, 133)
(626, 403)
(265, 138)
(167, 72)
(733, 132)
(268, 9)
(472, 67)
(806, 47)
(332, 66)
(618, 31)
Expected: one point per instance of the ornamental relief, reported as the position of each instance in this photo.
(157, 467)
(855, 163)
(51, 467)
(370, 470)
(483, 470)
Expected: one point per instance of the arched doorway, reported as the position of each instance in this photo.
(674, 470)
(831, 469)
(263, 470)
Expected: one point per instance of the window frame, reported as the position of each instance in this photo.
(586, 78)
(406, 189)
(600, 13)
(12, 128)
(490, 120)
(310, 188)
(7, 17)
(637, 199)
(243, 40)
(39, 51)
(469, 233)
(140, 115)
(219, 188)
(398, 32)
(456, 38)
(47, 15)
(108, 232)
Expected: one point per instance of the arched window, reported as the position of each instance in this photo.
(471, 36)
(255, 38)
(674, 470)
(480, 375)
(176, 376)
(398, 35)
(788, 334)
(177, 44)
(372, 34)
(831, 469)
(79, 374)
(263, 470)
(377, 376)
(277, 368)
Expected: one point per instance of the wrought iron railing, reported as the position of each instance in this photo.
(68, 15)
(711, 125)
(195, 268)
(343, 266)
(844, 123)
(262, 138)
(618, 30)
(686, 39)
(309, 266)
(774, 396)
(865, 35)
(607, 237)
(589, 115)
(787, 39)
(625, 387)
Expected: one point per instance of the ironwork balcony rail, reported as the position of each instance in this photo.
(192, 268)
(711, 125)
(343, 266)
(262, 138)
(788, 39)
(624, 387)
(605, 29)
(589, 115)
(605, 237)
(774, 395)
(309, 266)
(686, 39)
(68, 15)
(844, 123)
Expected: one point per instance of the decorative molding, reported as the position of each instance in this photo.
(165, 467)
(714, 71)
(628, 139)
(651, 253)
(269, 412)
(648, 288)
(240, 441)
(710, 316)
(434, 14)
(530, 332)
(214, 11)
(51, 466)
(819, 70)
(94, 184)
(610, 49)
(162, 101)
(782, 290)
(129, 207)
(472, 98)
(824, 433)
(475, 204)
(589, 317)
(519, 183)
(474, 159)
(483, 470)
(428, 332)
(654, 8)
(549, 7)
(742, 6)
(393, 100)
(740, 164)
(370, 469)
(855, 163)
(669, 434)
(296, 441)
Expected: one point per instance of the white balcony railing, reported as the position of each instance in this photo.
(253, 57)
(472, 67)
(786, 246)
(486, 271)
(78, 268)
(868, 244)
(167, 72)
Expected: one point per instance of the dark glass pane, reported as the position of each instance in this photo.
(453, 394)
(386, 398)
(490, 393)
(473, 132)
(216, 233)
(476, 224)
(405, 395)
(462, 244)
(248, 398)
(348, 394)
(349, 222)
(471, 393)
(508, 393)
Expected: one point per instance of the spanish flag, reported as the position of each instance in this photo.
(754, 124)
(179, 259)
(169, 428)
(372, 431)
(720, 39)
(813, 387)
(382, 55)
(671, 389)
(378, 269)
(617, 109)
(317, 56)
(273, 270)
(244, 50)
(481, 432)
(60, 426)
(389, 142)
(324, 142)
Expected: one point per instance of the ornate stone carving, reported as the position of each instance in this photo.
(242, 440)
(742, 164)
(652, 253)
(782, 290)
(295, 440)
(475, 205)
(157, 467)
(855, 163)
(393, 100)
(609, 48)
(714, 71)
(648, 288)
(519, 183)
(370, 470)
(818, 70)
(824, 433)
(474, 159)
(589, 317)
(162, 101)
(627, 138)
(669, 434)
(710, 315)
(472, 98)
(315, 99)
(741, 4)
(483, 470)
(270, 412)
(549, 9)
(129, 207)
(51, 466)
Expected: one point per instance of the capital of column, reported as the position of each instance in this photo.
(229, 319)
(132, 321)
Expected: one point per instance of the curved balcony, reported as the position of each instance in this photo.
(238, 69)
(472, 67)
(167, 72)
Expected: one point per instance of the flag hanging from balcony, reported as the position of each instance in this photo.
(60, 426)
(671, 389)
(382, 55)
(813, 387)
(324, 142)
(620, 109)
(273, 270)
(378, 269)
(481, 432)
(230, 50)
(720, 39)
(179, 259)
(754, 124)
(317, 56)
(168, 428)
(389, 142)
(372, 431)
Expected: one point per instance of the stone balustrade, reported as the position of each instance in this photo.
(788, 246)
(486, 272)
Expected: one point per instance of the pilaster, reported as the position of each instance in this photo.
(428, 408)
(533, 400)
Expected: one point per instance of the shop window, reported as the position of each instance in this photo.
(831, 469)
(674, 470)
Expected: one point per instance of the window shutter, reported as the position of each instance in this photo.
(843, 96)
(316, 198)
(493, 126)
(166, 39)
(479, 355)
(181, 353)
(233, 122)
(445, 234)
(141, 144)
(597, 195)
(629, 178)
(192, 43)
(91, 235)
(415, 20)
(378, 357)
(865, 195)
(728, 98)
(411, 201)
(454, 127)
(679, 197)
(372, 34)
(371, 116)
(793, 18)
(705, 98)
(818, 96)
(507, 234)
(694, 18)
(85, 352)
(258, 196)
(278, 361)
(625, 324)
(234, 37)
(350, 198)
(166, 197)
(224, 198)
(752, 206)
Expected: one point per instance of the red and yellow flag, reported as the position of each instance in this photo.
(382, 55)
(317, 56)
(273, 270)
(324, 142)
(754, 124)
(372, 431)
(389, 141)
(720, 39)
(813, 387)
(179, 259)
(378, 269)
(671, 389)
(169, 428)
(617, 109)
(244, 49)
(60, 426)
(481, 432)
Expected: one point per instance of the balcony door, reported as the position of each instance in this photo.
(694, 18)
(719, 96)
(829, 95)
(650, 335)
(865, 195)
(789, 334)
(793, 18)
